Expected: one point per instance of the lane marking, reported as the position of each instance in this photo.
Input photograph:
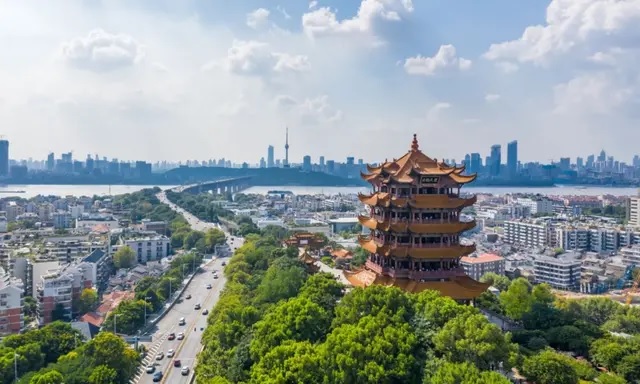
(186, 335)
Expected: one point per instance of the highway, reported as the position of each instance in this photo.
(186, 350)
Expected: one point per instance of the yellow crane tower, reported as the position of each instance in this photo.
(633, 289)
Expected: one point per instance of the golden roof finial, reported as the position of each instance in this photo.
(414, 143)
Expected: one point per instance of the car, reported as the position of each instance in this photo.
(151, 368)
(157, 377)
(160, 356)
(205, 312)
(197, 306)
(215, 276)
(177, 363)
(180, 336)
(171, 336)
(208, 286)
(170, 353)
(182, 321)
(187, 297)
(184, 371)
(224, 263)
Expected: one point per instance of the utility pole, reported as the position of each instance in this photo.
(115, 321)
(15, 367)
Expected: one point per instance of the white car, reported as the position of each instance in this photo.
(184, 371)
(209, 286)
(180, 336)
(160, 356)
(170, 353)
(151, 368)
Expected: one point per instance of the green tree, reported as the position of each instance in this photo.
(51, 377)
(501, 282)
(125, 257)
(290, 362)
(111, 352)
(472, 338)
(282, 280)
(610, 378)
(517, 300)
(608, 352)
(88, 300)
(629, 367)
(549, 367)
(376, 349)
(297, 319)
(214, 237)
(323, 289)
(373, 300)
(103, 375)
(464, 373)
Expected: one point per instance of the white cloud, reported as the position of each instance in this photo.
(313, 4)
(445, 59)
(324, 21)
(507, 67)
(435, 113)
(284, 12)
(310, 110)
(257, 58)
(578, 26)
(491, 97)
(258, 18)
(102, 51)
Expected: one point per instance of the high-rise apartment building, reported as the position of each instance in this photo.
(633, 211)
(512, 158)
(306, 163)
(4, 158)
(496, 160)
(270, 157)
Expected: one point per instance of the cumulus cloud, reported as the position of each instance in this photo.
(257, 58)
(310, 110)
(102, 51)
(445, 59)
(258, 18)
(324, 21)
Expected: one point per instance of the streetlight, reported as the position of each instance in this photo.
(15, 366)
(115, 321)
(145, 308)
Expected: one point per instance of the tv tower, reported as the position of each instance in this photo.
(286, 150)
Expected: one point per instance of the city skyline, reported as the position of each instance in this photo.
(166, 80)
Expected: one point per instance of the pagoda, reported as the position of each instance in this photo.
(414, 218)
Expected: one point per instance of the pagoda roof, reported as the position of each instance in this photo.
(412, 164)
(459, 288)
(384, 199)
(399, 226)
(449, 252)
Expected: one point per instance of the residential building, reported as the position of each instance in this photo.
(101, 266)
(562, 272)
(631, 255)
(88, 222)
(526, 233)
(476, 266)
(62, 220)
(11, 304)
(147, 248)
(538, 205)
(159, 227)
(573, 239)
(59, 288)
(633, 211)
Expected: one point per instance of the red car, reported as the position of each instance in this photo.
(172, 336)
(176, 363)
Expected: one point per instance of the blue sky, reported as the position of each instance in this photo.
(200, 79)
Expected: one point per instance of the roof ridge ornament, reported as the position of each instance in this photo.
(414, 143)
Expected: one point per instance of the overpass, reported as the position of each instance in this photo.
(232, 185)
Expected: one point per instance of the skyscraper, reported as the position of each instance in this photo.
(270, 157)
(496, 159)
(4, 158)
(512, 158)
(286, 150)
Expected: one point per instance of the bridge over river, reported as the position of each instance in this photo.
(220, 186)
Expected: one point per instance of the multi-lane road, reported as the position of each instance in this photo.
(186, 350)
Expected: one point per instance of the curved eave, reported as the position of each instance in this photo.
(369, 176)
(463, 179)
(368, 222)
(459, 169)
(368, 199)
(374, 169)
(402, 179)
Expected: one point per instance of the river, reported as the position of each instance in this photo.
(101, 190)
